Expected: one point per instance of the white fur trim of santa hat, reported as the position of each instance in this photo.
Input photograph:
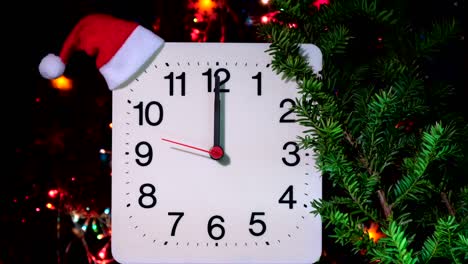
(132, 56)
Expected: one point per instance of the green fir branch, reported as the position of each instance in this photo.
(441, 243)
(394, 248)
(434, 146)
(378, 147)
(353, 113)
(334, 41)
(438, 35)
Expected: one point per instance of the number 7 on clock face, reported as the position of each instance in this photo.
(190, 188)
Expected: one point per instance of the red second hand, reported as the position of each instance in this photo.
(185, 145)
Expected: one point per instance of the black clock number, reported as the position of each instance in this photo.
(150, 198)
(144, 113)
(212, 227)
(223, 79)
(181, 77)
(258, 77)
(287, 197)
(293, 153)
(283, 118)
(179, 216)
(147, 156)
(254, 221)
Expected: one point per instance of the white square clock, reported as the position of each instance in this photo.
(206, 166)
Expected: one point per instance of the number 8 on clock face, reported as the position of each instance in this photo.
(206, 164)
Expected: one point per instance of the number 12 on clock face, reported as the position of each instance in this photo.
(206, 164)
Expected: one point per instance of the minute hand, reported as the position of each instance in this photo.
(217, 113)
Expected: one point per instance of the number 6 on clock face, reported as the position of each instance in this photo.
(206, 164)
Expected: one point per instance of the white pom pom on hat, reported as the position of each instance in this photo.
(51, 66)
(121, 48)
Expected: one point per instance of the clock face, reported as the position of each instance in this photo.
(173, 200)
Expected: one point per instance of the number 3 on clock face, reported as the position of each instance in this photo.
(206, 165)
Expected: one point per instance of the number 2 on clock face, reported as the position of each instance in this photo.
(178, 199)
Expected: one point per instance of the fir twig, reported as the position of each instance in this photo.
(383, 202)
(447, 203)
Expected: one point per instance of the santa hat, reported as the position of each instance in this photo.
(121, 48)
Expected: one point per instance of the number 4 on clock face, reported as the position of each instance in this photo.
(206, 163)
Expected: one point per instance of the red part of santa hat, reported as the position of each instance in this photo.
(121, 48)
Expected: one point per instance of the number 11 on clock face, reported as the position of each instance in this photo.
(206, 162)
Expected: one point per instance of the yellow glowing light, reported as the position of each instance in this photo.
(265, 2)
(110, 125)
(62, 83)
(50, 206)
(206, 5)
(374, 232)
(195, 20)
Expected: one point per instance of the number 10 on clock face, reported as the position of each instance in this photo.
(206, 164)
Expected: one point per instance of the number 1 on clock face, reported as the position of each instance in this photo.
(172, 196)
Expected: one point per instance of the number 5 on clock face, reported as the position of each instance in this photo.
(206, 164)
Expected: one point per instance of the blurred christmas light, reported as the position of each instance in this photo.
(318, 3)
(248, 21)
(102, 254)
(374, 232)
(264, 19)
(206, 6)
(50, 206)
(53, 193)
(38, 100)
(38, 209)
(110, 125)
(195, 20)
(194, 35)
(107, 211)
(62, 83)
(265, 2)
(75, 218)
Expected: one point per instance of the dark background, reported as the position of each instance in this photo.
(51, 137)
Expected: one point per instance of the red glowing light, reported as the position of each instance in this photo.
(265, 19)
(38, 209)
(102, 253)
(53, 193)
(318, 3)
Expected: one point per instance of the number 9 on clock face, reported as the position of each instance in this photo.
(206, 163)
